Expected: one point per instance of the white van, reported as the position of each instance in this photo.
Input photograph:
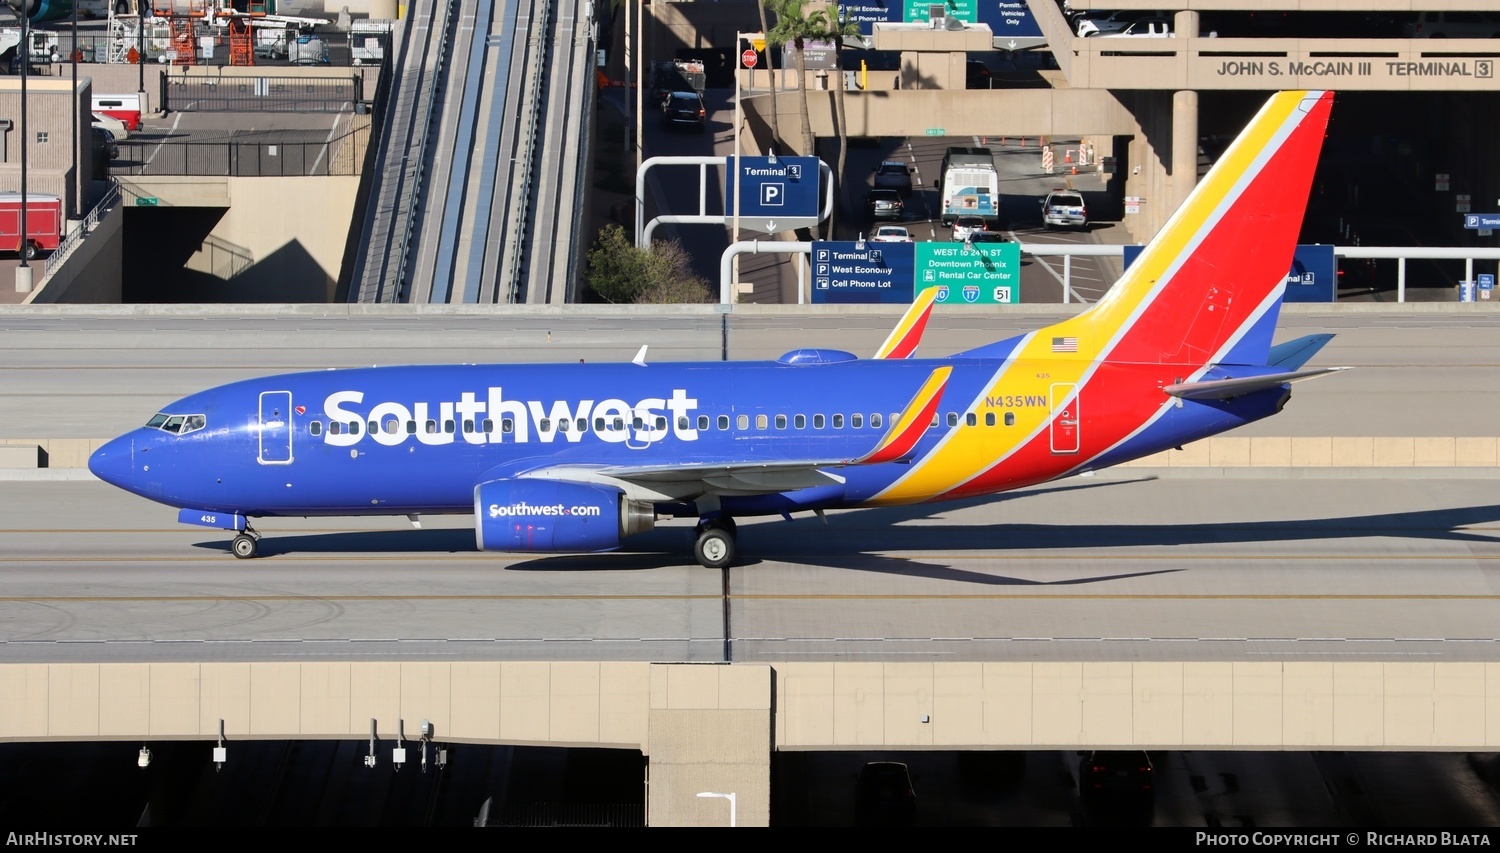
(1453, 25)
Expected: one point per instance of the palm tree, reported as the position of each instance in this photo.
(793, 28)
(771, 74)
(833, 26)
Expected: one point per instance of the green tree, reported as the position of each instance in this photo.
(618, 272)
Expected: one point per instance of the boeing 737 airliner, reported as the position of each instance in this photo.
(577, 457)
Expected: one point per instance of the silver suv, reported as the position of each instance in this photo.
(1064, 208)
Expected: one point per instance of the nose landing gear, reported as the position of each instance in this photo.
(246, 543)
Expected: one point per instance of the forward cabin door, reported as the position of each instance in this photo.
(275, 427)
(1064, 418)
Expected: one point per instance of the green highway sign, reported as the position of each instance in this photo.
(146, 201)
(936, 131)
(979, 274)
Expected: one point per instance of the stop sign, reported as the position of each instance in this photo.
(748, 57)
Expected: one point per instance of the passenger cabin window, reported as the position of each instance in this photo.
(468, 426)
(743, 422)
(507, 426)
(781, 421)
(703, 422)
(971, 419)
(544, 425)
(683, 422)
(800, 422)
(334, 428)
(489, 425)
(838, 421)
(723, 422)
(857, 421)
(354, 427)
(411, 427)
(619, 425)
(661, 423)
(582, 424)
(953, 419)
(598, 424)
(875, 421)
(817, 421)
(760, 422)
(315, 428)
(989, 418)
(1010, 418)
(636, 422)
(429, 426)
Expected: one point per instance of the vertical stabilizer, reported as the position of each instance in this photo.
(1212, 280)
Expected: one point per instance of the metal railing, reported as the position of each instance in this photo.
(342, 155)
(90, 221)
(261, 94)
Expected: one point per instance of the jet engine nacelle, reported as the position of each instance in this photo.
(550, 515)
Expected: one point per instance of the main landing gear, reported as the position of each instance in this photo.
(715, 548)
(245, 544)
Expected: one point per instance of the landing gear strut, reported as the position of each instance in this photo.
(246, 543)
(715, 545)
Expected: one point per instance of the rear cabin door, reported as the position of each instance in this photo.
(275, 427)
(1065, 419)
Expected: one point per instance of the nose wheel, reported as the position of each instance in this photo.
(245, 544)
(715, 546)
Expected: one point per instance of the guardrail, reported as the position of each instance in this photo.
(90, 220)
(1401, 254)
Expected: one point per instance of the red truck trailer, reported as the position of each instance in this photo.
(44, 223)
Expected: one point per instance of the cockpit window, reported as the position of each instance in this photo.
(176, 424)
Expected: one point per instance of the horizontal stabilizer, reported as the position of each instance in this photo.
(1223, 389)
(1293, 354)
(903, 339)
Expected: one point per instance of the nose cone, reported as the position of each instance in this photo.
(113, 463)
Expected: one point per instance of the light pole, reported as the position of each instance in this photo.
(140, 48)
(23, 272)
(729, 797)
(74, 55)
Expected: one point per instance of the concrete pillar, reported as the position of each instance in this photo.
(23, 279)
(1184, 148)
(709, 732)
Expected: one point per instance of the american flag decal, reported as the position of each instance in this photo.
(1065, 345)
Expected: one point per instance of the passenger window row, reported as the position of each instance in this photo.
(581, 425)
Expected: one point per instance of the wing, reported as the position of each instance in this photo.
(1223, 389)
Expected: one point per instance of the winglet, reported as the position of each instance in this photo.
(907, 428)
(904, 338)
(640, 357)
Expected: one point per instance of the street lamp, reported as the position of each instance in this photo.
(23, 272)
(729, 797)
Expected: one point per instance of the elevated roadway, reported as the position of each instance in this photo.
(1325, 580)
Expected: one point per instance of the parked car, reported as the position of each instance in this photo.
(684, 109)
(884, 795)
(892, 234)
(1116, 786)
(1064, 208)
(1116, 22)
(893, 175)
(113, 125)
(965, 227)
(884, 204)
(1157, 28)
(105, 141)
(977, 75)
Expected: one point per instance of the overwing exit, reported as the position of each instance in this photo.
(579, 457)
